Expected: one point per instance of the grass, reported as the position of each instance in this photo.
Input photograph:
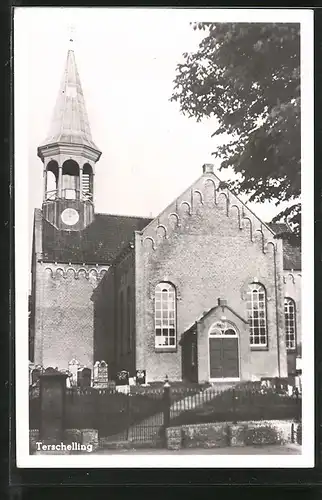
(241, 405)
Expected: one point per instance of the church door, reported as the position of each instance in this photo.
(223, 351)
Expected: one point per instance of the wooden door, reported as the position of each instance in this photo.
(215, 353)
(223, 354)
(230, 357)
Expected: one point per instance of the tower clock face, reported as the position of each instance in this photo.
(70, 216)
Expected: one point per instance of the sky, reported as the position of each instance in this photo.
(127, 63)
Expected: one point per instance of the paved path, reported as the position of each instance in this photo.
(148, 429)
(242, 450)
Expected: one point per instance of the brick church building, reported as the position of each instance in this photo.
(203, 292)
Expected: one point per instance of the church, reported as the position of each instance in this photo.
(204, 292)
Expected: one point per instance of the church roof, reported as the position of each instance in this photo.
(221, 305)
(292, 256)
(279, 227)
(291, 251)
(70, 122)
(98, 243)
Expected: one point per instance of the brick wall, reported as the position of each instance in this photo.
(104, 321)
(64, 314)
(125, 323)
(114, 323)
(210, 254)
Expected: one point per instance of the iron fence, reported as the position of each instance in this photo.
(118, 416)
(141, 414)
(234, 404)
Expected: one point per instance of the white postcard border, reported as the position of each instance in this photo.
(306, 459)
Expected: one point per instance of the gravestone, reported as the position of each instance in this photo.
(122, 377)
(68, 378)
(100, 375)
(73, 367)
(52, 406)
(84, 377)
(122, 382)
(124, 389)
(141, 377)
(50, 369)
(266, 382)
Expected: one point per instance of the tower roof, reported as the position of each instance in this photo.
(70, 124)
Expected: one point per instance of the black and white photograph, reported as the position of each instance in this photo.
(164, 237)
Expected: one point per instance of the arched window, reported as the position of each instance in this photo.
(290, 323)
(222, 328)
(256, 312)
(165, 315)
(70, 180)
(51, 181)
(51, 188)
(87, 181)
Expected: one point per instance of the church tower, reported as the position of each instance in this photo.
(73, 246)
(69, 156)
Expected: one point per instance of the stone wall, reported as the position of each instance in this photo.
(223, 434)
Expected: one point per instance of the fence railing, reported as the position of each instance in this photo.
(69, 194)
(235, 404)
(143, 413)
(142, 410)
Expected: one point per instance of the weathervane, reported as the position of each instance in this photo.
(71, 30)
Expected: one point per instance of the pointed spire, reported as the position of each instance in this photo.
(70, 124)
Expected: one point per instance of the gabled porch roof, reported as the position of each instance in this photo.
(222, 303)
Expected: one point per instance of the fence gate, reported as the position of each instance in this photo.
(135, 417)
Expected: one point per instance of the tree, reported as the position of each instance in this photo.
(248, 77)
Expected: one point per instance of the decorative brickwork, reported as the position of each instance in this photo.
(64, 314)
(214, 247)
